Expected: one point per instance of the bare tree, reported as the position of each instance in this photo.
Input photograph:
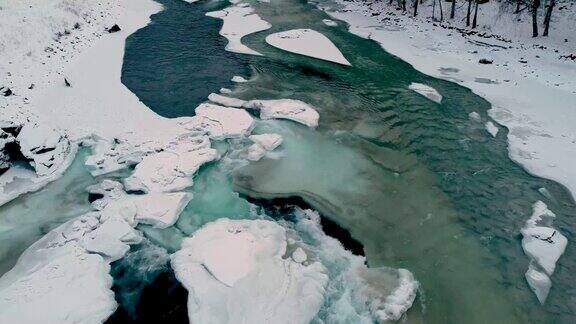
(468, 13)
(535, 6)
(475, 20)
(547, 17)
(441, 11)
(453, 10)
(416, 7)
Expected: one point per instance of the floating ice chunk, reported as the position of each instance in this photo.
(268, 141)
(225, 101)
(307, 42)
(234, 269)
(161, 210)
(108, 246)
(109, 190)
(45, 146)
(238, 79)
(539, 282)
(492, 129)
(225, 122)
(299, 255)
(255, 152)
(225, 90)
(474, 116)
(426, 91)
(329, 22)
(57, 280)
(544, 245)
(291, 109)
(168, 171)
(239, 21)
(62, 285)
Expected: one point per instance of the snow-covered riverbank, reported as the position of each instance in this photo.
(532, 90)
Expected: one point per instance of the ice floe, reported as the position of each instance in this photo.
(169, 170)
(492, 129)
(268, 141)
(426, 91)
(238, 79)
(239, 21)
(544, 245)
(291, 109)
(235, 270)
(225, 101)
(329, 22)
(220, 122)
(307, 42)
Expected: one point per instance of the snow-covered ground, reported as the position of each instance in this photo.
(532, 90)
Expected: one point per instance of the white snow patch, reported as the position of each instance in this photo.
(239, 21)
(222, 122)
(426, 91)
(307, 42)
(234, 269)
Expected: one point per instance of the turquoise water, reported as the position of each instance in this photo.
(420, 185)
(29, 217)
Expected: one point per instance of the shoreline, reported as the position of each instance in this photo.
(539, 116)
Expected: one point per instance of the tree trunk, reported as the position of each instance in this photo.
(403, 5)
(475, 20)
(535, 5)
(390, 3)
(468, 13)
(453, 11)
(416, 7)
(441, 11)
(434, 10)
(518, 3)
(548, 16)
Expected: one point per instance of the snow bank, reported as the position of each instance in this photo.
(307, 42)
(544, 245)
(239, 21)
(426, 91)
(234, 269)
(291, 109)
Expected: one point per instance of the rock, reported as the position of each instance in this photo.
(6, 91)
(114, 29)
(485, 61)
(291, 109)
(67, 83)
(234, 269)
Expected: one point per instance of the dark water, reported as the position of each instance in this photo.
(418, 184)
(174, 63)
